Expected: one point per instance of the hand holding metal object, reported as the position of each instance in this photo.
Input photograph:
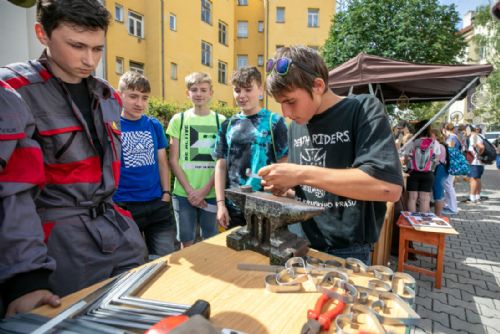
(248, 172)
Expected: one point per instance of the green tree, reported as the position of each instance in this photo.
(487, 41)
(420, 31)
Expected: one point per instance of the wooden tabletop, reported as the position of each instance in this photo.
(238, 299)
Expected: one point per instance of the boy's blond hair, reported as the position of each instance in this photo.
(134, 81)
(306, 58)
(198, 78)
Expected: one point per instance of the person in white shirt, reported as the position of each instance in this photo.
(476, 148)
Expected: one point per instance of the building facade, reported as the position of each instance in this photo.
(167, 40)
(463, 111)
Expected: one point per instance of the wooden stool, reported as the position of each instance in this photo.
(436, 238)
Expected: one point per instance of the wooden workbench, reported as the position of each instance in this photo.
(238, 299)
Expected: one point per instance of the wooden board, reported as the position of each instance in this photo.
(238, 299)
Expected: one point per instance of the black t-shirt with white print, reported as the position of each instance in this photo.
(354, 133)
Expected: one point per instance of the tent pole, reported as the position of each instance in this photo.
(370, 87)
(445, 108)
(379, 89)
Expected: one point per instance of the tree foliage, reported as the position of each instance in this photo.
(487, 37)
(420, 31)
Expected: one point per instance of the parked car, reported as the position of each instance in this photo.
(492, 135)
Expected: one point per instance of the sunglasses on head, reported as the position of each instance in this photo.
(282, 65)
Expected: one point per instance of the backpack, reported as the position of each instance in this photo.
(457, 164)
(421, 158)
(489, 154)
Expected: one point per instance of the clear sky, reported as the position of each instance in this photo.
(463, 6)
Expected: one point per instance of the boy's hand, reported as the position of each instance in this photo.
(222, 215)
(281, 192)
(165, 197)
(196, 197)
(280, 177)
(31, 300)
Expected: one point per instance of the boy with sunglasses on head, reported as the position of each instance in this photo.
(249, 140)
(342, 155)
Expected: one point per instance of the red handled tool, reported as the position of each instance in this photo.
(200, 307)
(318, 321)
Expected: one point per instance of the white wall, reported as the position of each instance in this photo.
(17, 36)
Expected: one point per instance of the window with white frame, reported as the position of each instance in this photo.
(119, 65)
(172, 22)
(173, 71)
(242, 60)
(135, 24)
(260, 26)
(206, 11)
(280, 14)
(136, 67)
(313, 17)
(242, 29)
(206, 53)
(260, 60)
(222, 72)
(119, 13)
(222, 33)
(242, 2)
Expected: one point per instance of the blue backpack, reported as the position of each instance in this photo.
(457, 164)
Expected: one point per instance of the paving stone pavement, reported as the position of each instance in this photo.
(469, 300)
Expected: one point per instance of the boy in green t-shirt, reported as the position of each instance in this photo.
(192, 137)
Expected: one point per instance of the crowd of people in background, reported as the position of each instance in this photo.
(427, 160)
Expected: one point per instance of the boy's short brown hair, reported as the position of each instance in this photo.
(134, 81)
(245, 75)
(197, 78)
(297, 77)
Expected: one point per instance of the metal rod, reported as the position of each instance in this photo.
(45, 328)
(446, 107)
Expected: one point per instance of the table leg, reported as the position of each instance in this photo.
(402, 248)
(440, 261)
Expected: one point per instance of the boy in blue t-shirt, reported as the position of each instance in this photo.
(246, 142)
(144, 187)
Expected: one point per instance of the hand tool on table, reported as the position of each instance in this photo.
(267, 217)
(320, 320)
(166, 325)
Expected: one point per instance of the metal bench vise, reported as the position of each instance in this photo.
(267, 217)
